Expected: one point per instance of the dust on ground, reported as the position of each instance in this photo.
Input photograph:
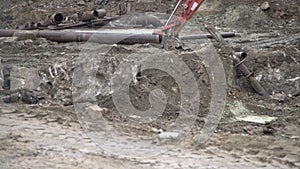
(49, 135)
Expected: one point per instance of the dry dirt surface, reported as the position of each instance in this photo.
(71, 93)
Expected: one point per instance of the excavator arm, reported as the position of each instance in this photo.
(186, 9)
(169, 34)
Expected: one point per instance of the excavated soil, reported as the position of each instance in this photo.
(75, 88)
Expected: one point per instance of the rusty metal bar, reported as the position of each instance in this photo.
(82, 36)
(108, 36)
(88, 16)
(91, 24)
(239, 64)
(205, 36)
(74, 17)
(101, 13)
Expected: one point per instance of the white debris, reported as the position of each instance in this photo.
(155, 130)
(293, 79)
(257, 119)
(259, 77)
(169, 136)
(98, 110)
(265, 6)
(279, 96)
(241, 113)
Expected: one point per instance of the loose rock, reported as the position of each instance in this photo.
(265, 6)
(29, 97)
(169, 136)
(81, 3)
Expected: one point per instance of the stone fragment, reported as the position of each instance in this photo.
(81, 3)
(169, 136)
(265, 6)
(280, 97)
(29, 97)
(99, 111)
(22, 77)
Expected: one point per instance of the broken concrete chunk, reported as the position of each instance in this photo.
(265, 6)
(280, 97)
(257, 119)
(22, 77)
(238, 111)
(98, 109)
(169, 136)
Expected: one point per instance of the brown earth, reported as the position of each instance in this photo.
(54, 133)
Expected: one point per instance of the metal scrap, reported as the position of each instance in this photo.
(238, 61)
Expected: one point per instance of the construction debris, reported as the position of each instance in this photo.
(52, 127)
(238, 61)
(91, 19)
(238, 112)
(54, 19)
(103, 36)
(24, 95)
(265, 6)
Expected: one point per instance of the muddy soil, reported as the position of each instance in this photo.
(75, 88)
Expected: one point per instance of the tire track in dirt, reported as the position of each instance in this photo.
(40, 144)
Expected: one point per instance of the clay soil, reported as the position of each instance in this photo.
(60, 130)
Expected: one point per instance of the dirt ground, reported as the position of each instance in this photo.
(64, 129)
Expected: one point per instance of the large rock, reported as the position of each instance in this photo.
(169, 136)
(211, 7)
(22, 77)
(265, 6)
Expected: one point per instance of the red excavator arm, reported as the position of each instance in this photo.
(174, 25)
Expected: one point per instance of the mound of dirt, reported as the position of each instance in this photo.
(240, 17)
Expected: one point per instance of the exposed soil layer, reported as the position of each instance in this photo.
(77, 85)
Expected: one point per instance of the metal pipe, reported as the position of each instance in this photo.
(82, 36)
(74, 17)
(88, 16)
(100, 36)
(54, 19)
(239, 64)
(205, 36)
(241, 54)
(101, 13)
(247, 73)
